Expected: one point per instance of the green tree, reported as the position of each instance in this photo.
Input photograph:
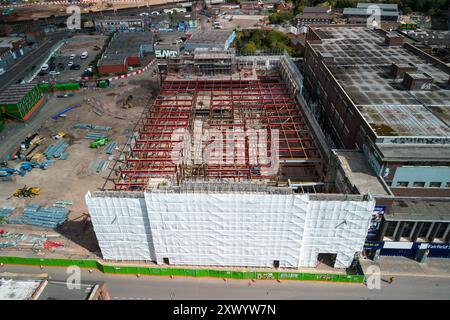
(250, 48)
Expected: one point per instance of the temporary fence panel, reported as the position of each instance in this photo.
(153, 271)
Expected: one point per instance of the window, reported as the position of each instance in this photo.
(402, 183)
(441, 230)
(390, 228)
(419, 184)
(447, 185)
(407, 229)
(435, 184)
(423, 233)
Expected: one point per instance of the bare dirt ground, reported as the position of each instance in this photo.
(68, 180)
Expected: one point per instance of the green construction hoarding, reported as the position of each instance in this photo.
(69, 86)
(183, 272)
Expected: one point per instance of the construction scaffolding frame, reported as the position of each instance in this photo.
(217, 106)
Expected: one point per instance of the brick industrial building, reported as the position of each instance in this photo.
(371, 91)
(125, 49)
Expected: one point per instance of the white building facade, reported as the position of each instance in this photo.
(229, 229)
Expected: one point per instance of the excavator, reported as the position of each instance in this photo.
(27, 192)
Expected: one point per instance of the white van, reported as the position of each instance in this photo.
(84, 55)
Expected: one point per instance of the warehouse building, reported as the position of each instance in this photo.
(387, 102)
(387, 12)
(19, 101)
(126, 49)
(219, 39)
(275, 211)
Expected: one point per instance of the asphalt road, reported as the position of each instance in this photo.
(157, 288)
(22, 67)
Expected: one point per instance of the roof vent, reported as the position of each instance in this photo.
(398, 70)
(417, 81)
(392, 40)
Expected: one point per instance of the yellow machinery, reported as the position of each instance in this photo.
(27, 192)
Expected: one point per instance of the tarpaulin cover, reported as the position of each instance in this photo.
(229, 229)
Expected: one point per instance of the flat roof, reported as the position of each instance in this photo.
(361, 64)
(364, 12)
(18, 289)
(414, 152)
(385, 6)
(15, 92)
(360, 174)
(125, 44)
(210, 37)
(419, 210)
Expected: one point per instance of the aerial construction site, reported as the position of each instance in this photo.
(224, 170)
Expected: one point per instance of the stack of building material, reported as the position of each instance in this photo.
(64, 156)
(91, 127)
(6, 211)
(102, 166)
(101, 128)
(94, 136)
(82, 126)
(55, 150)
(44, 217)
(110, 147)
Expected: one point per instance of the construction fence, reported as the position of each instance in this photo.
(69, 86)
(182, 272)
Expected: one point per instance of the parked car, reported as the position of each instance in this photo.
(54, 73)
(70, 64)
(84, 55)
(75, 67)
(72, 56)
(61, 66)
(2, 71)
(44, 67)
(42, 73)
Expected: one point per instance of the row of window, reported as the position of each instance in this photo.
(421, 184)
(417, 231)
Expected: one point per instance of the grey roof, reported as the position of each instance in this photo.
(361, 65)
(385, 6)
(218, 37)
(419, 210)
(15, 92)
(125, 44)
(365, 12)
(415, 152)
(359, 172)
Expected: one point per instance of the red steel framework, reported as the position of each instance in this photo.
(249, 104)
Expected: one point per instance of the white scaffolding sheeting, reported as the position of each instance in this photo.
(229, 229)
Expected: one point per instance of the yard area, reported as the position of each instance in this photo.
(69, 180)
